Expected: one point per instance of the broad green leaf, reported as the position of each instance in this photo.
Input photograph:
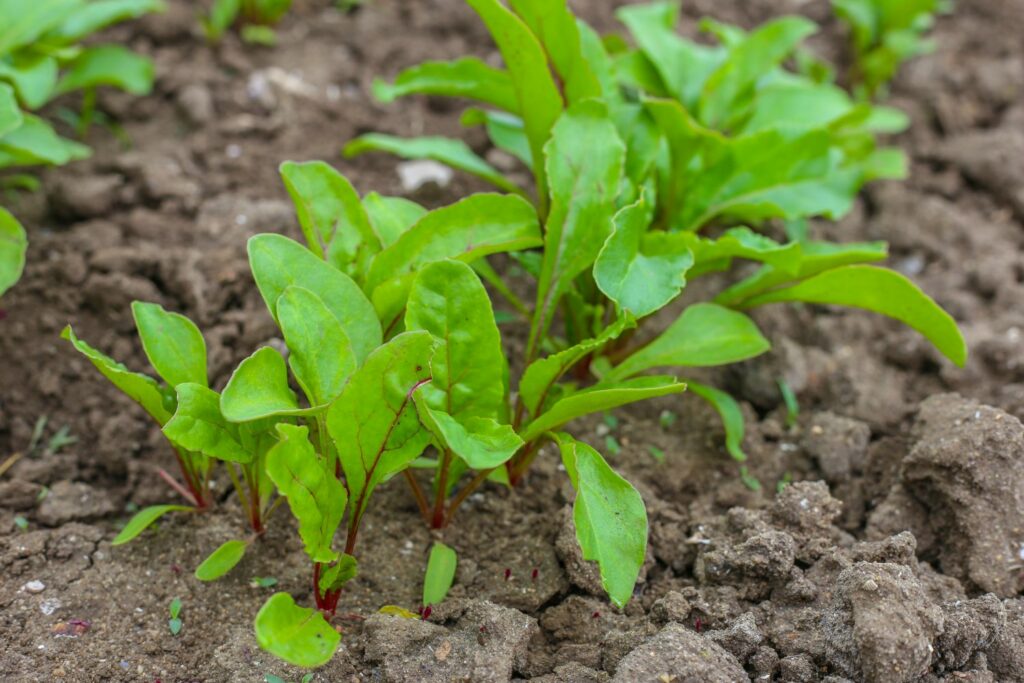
(221, 561)
(505, 131)
(316, 497)
(682, 66)
(374, 423)
(143, 519)
(111, 65)
(391, 217)
(333, 220)
(815, 257)
(798, 105)
(173, 344)
(448, 151)
(476, 226)
(747, 62)
(440, 574)
(731, 414)
(278, 262)
(552, 22)
(610, 518)
(259, 388)
(10, 113)
(641, 271)
(540, 103)
(298, 635)
(882, 291)
(481, 442)
(469, 370)
(468, 77)
(601, 397)
(198, 426)
(24, 22)
(32, 76)
(13, 244)
(320, 353)
(142, 389)
(584, 182)
(542, 374)
(704, 335)
(97, 14)
(35, 142)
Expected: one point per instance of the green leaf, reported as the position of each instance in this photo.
(748, 61)
(440, 574)
(199, 426)
(33, 77)
(298, 635)
(742, 242)
(641, 271)
(704, 335)
(173, 344)
(373, 423)
(320, 353)
(730, 412)
(584, 183)
(174, 609)
(13, 245)
(278, 262)
(316, 497)
(468, 77)
(35, 142)
(476, 226)
(143, 519)
(482, 442)
(540, 103)
(25, 22)
(448, 151)
(333, 220)
(98, 14)
(391, 217)
(221, 561)
(604, 396)
(142, 389)
(541, 375)
(338, 574)
(552, 22)
(469, 370)
(882, 291)
(222, 14)
(258, 388)
(610, 518)
(108, 65)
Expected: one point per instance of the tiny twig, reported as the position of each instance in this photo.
(9, 462)
(417, 493)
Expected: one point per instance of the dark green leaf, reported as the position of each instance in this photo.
(298, 635)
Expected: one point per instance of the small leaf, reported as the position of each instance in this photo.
(320, 353)
(221, 561)
(448, 151)
(316, 497)
(90, 17)
(140, 388)
(552, 22)
(173, 344)
(143, 519)
(610, 518)
(13, 244)
(278, 263)
(468, 77)
(258, 388)
(391, 217)
(298, 635)
(111, 65)
(704, 335)
(174, 609)
(730, 412)
(481, 442)
(199, 426)
(338, 574)
(882, 291)
(174, 625)
(604, 396)
(641, 271)
(440, 574)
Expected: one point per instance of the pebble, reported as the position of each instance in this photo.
(415, 174)
(34, 587)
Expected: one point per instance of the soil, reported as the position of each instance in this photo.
(895, 553)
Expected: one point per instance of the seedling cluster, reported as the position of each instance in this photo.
(654, 161)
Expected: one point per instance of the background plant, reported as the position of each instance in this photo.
(13, 244)
(258, 17)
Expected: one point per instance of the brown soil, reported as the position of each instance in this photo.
(898, 554)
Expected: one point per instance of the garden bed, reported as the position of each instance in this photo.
(820, 580)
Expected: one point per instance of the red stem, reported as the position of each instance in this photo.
(186, 494)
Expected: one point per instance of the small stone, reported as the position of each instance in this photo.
(34, 587)
(870, 585)
(415, 174)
